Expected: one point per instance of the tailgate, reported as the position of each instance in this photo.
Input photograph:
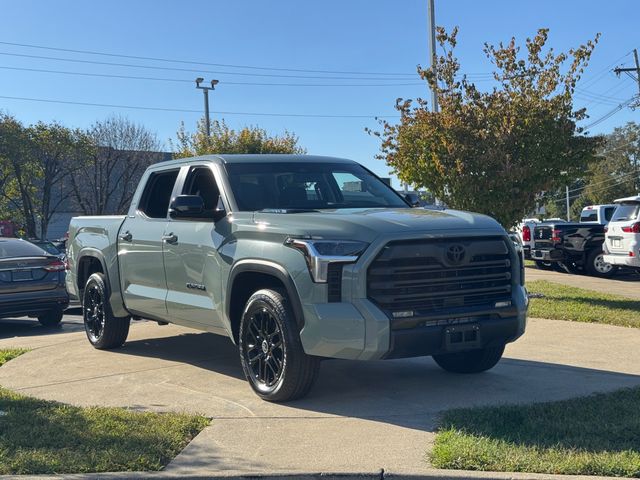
(543, 237)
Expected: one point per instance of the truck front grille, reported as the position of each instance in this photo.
(428, 278)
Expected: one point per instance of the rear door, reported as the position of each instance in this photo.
(140, 242)
(192, 261)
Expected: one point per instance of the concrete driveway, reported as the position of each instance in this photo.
(360, 416)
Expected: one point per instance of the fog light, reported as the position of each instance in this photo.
(505, 303)
(403, 314)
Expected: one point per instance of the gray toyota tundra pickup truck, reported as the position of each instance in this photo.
(295, 259)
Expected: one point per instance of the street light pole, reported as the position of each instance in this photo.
(205, 90)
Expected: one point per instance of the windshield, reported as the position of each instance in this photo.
(626, 212)
(308, 186)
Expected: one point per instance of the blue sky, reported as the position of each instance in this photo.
(338, 35)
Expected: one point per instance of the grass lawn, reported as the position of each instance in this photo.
(596, 435)
(561, 302)
(38, 436)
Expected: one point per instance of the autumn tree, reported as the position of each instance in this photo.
(494, 151)
(224, 139)
(109, 175)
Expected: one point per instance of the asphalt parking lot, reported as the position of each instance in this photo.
(360, 416)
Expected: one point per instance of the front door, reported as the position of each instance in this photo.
(191, 258)
(140, 244)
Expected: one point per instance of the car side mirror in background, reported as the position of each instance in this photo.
(186, 206)
(412, 199)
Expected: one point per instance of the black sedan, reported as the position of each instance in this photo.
(31, 282)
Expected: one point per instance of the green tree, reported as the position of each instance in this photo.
(494, 151)
(613, 173)
(224, 139)
(35, 163)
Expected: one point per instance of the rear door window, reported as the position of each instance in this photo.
(156, 196)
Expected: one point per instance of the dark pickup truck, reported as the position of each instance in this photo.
(574, 246)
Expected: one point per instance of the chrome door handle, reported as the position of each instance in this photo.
(170, 238)
(126, 236)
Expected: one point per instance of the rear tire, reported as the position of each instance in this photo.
(271, 352)
(596, 266)
(473, 361)
(104, 330)
(51, 318)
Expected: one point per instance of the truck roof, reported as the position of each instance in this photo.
(635, 198)
(262, 158)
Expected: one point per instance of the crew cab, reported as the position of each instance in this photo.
(622, 238)
(600, 214)
(295, 259)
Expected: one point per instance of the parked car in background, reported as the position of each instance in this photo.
(573, 246)
(622, 237)
(600, 214)
(32, 282)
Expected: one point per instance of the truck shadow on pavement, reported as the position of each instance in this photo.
(408, 392)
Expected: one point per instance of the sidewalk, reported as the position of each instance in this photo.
(360, 418)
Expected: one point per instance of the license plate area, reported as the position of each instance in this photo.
(462, 337)
(616, 242)
(21, 275)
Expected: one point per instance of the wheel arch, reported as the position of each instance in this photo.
(246, 277)
(90, 261)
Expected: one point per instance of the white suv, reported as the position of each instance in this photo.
(622, 237)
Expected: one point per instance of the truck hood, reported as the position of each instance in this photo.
(367, 224)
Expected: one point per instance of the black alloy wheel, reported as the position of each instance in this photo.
(93, 312)
(263, 347)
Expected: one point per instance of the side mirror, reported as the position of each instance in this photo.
(186, 206)
(412, 199)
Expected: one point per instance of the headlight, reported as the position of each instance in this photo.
(320, 253)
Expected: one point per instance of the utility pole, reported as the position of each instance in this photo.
(568, 214)
(629, 70)
(432, 51)
(205, 90)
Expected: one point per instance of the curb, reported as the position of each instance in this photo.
(429, 474)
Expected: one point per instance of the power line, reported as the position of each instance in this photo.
(182, 80)
(190, 62)
(611, 113)
(192, 70)
(186, 110)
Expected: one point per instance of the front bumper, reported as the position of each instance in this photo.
(554, 255)
(361, 331)
(622, 260)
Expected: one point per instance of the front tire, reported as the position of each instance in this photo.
(271, 352)
(543, 265)
(473, 361)
(597, 267)
(51, 318)
(104, 330)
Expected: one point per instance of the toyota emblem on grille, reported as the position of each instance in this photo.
(455, 254)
